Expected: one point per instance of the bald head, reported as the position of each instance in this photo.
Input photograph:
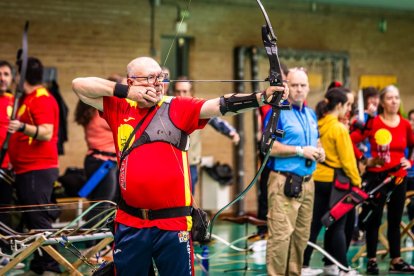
(298, 86)
(143, 66)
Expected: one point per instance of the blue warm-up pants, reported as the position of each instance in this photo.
(135, 248)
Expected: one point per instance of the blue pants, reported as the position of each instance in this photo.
(194, 177)
(135, 248)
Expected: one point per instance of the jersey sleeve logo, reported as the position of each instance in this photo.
(22, 110)
(9, 111)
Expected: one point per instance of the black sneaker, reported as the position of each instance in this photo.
(372, 268)
(401, 268)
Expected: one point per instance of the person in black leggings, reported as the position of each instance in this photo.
(345, 224)
(389, 135)
(395, 194)
(340, 157)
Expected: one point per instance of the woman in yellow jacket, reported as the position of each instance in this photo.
(337, 144)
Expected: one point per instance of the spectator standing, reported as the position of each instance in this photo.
(389, 135)
(34, 156)
(340, 159)
(6, 106)
(291, 187)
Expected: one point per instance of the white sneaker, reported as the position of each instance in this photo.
(349, 273)
(259, 246)
(4, 261)
(332, 270)
(309, 271)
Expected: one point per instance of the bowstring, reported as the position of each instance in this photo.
(176, 34)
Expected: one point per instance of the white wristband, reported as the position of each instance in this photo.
(299, 151)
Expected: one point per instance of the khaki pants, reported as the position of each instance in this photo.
(289, 221)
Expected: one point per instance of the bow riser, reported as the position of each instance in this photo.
(271, 132)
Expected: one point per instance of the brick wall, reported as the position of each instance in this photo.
(97, 38)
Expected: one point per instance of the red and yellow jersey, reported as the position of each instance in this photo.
(387, 143)
(6, 108)
(155, 175)
(28, 154)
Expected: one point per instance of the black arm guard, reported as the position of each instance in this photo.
(234, 103)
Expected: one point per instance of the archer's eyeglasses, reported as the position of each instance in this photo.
(151, 79)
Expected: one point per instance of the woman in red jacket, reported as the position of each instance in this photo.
(389, 135)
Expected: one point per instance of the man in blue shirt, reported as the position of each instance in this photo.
(291, 187)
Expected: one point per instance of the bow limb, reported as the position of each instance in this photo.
(269, 42)
(275, 79)
(23, 56)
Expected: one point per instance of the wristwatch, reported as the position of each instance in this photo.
(22, 127)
